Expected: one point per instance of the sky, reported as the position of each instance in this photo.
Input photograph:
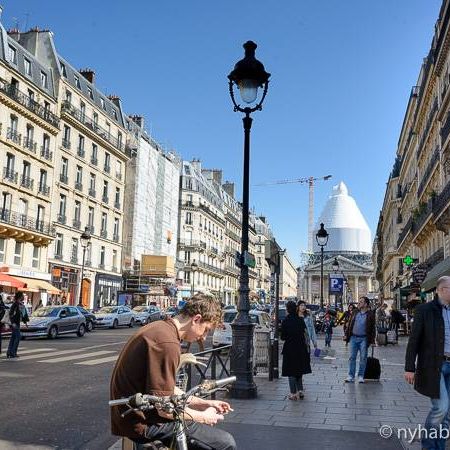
(341, 74)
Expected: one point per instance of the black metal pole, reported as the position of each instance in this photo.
(321, 277)
(193, 283)
(277, 318)
(241, 362)
(80, 302)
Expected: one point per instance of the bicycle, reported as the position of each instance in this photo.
(174, 405)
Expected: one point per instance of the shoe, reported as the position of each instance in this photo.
(300, 395)
(349, 379)
(292, 397)
(361, 380)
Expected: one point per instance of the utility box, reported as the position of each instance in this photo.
(157, 266)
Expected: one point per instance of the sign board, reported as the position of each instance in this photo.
(336, 284)
(249, 260)
(419, 273)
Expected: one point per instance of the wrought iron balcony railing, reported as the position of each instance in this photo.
(115, 237)
(80, 152)
(44, 189)
(61, 218)
(441, 201)
(66, 143)
(91, 192)
(104, 234)
(76, 223)
(26, 182)
(10, 175)
(14, 136)
(44, 113)
(30, 145)
(78, 186)
(63, 178)
(46, 153)
(23, 221)
(94, 160)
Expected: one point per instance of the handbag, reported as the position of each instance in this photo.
(5, 319)
(317, 352)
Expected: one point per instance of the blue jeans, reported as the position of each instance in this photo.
(328, 337)
(439, 414)
(14, 341)
(357, 344)
(295, 384)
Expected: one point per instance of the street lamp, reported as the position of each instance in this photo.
(248, 75)
(85, 241)
(194, 267)
(335, 265)
(322, 240)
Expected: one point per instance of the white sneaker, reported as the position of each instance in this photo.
(349, 379)
(360, 379)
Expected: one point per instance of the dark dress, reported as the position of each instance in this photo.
(296, 359)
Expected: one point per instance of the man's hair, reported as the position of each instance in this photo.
(442, 280)
(291, 307)
(302, 302)
(18, 296)
(366, 300)
(205, 305)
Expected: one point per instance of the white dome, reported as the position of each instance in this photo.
(348, 230)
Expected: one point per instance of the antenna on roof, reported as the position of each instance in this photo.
(27, 16)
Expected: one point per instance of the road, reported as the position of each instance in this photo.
(57, 391)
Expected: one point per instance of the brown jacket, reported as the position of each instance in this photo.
(370, 326)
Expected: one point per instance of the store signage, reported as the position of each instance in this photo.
(419, 273)
(408, 260)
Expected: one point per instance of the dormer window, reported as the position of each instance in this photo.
(44, 80)
(63, 69)
(102, 102)
(27, 64)
(13, 54)
(77, 82)
(91, 95)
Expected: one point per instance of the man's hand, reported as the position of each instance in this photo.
(409, 377)
(220, 406)
(210, 416)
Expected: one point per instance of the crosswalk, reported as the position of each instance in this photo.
(87, 356)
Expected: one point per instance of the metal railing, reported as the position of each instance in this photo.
(14, 136)
(404, 232)
(46, 153)
(211, 213)
(115, 237)
(232, 235)
(44, 113)
(192, 244)
(210, 267)
(94, 160)
(63, 178)
(10, 175)
(428, 171)
(81, 152)
(105, 199)
(103, 234)
(30, 145)
(68, 108)
(26, 182)
(44, 189)
(66, 143)
(423, 216)
(76, 223)
(107, 168)
(91, 192)
(23, 221)
(442, 200)
(117, 205)
(78, 186)
(61, 218)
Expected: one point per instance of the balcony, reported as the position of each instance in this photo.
(80, 152)
(13, 136)
(46, 153)
(23, 227)
(117, 205)
(428, 171)
(191, 244)
(115, 237)
(232, 235)
(232, 270)
(91, 192)
(58, 256)
(61, 218)
(76, 224)
(441, 211)
(30, 145)
(119, 175)
(404, 232)
(210, 268)
(101, 266)
(44, 189)
(94, 160)
(79, 186)
(445, 130)
(10, 175)
(26, 182)
(63, 178)
(44, 113)
(88, 263)
(90, 228)
(74, 258)
(66, 144)
(423, 214)
(107, 168)
(104, 234)
(67, 108)
(212, 214)
(105, 199)
(435, 258)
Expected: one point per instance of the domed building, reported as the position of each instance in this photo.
(347, 254)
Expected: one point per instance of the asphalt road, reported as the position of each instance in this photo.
(55, 395)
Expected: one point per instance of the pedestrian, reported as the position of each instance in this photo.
(307, 318)
(2, 315)
(360, 334)
(328, 325)
(148, 363)
(17, 314)
(429, 343)
(296, 358)
(345, 318)
(396, 319)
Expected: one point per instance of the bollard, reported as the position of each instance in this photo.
(275, 356)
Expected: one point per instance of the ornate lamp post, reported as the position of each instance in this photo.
(194, 267)
(248, 75)
(322, 240)
(85, 241)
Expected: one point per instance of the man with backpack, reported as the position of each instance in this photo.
(17, 314)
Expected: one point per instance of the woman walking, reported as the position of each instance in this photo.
(328, 325)
(307, 318)
(296, 359)
(17, 314)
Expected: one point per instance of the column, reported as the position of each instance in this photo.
(309, 297)
(356, 288)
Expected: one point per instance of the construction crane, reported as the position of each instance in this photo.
(310, 181)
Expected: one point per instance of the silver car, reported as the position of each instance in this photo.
(145, 314)
(51, 321)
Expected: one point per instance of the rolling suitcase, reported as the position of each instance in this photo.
(391, 337)
(382, 339)
(373, 368)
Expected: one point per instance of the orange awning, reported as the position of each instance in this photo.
(8, 280)
(35, 285)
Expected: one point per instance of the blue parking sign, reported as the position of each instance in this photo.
(336, 284)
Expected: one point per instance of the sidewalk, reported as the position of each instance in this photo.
(334, 415)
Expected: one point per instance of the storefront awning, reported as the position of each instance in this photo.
(35, 285)
(9, 281)
(439, 270)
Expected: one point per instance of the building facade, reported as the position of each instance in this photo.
(263, 281)
(288, 277)
(415, 217)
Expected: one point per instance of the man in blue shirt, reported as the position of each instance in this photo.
(360, 334)
(427, 363)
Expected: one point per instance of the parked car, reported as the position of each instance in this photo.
(145, 314)
(90, 318)
(170, 312)
(51, 321)
(222, 335)
(114, 316)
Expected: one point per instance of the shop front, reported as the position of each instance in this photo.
(66, 279)
(106, 290)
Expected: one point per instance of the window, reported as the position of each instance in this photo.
(116, 227)
(77, 210)
(95, 119)
(102, 255)
(105, 189)
(46, 143)
(30, 94)
(30, 133)
(63, 69)
(118, 169)
(10, 162)
(12, 54)
(79, 178)
(92, 182)
(188, 218)
(82, 110)
(104, 222)
(114, 114)
(187, 257)
(77, 81)
(119, 139)
(18, 253)
(2, 249)
(62, 204)
(94, 153)
(64, 166)
(91, 216)
(26, 169)
(66, 139)
(187, 277)
(36, 257)
(74, 249)
(114, 259)
(23, 210)
(102, 102)
(80, 144)
(27, 63)
(68, 96)
(6, 204)
(14, 121)
(44, 80)
(91, 95)
(59, 244)
(107, 162)
(117, 199)
(40, 218)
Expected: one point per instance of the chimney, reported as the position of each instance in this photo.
(89, 74)
(14, 33)
(217, 176)
(138, 120)
(115, 99)
(228, 187)
(196, 163)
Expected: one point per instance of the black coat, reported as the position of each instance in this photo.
(426, 342)
(296, 359)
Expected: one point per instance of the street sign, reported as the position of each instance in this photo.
(336, 284)
(408, 260)
(249, 260)
(419, 273)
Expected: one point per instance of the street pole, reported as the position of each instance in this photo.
(321, 277)
(276, 336)
(80, 301)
